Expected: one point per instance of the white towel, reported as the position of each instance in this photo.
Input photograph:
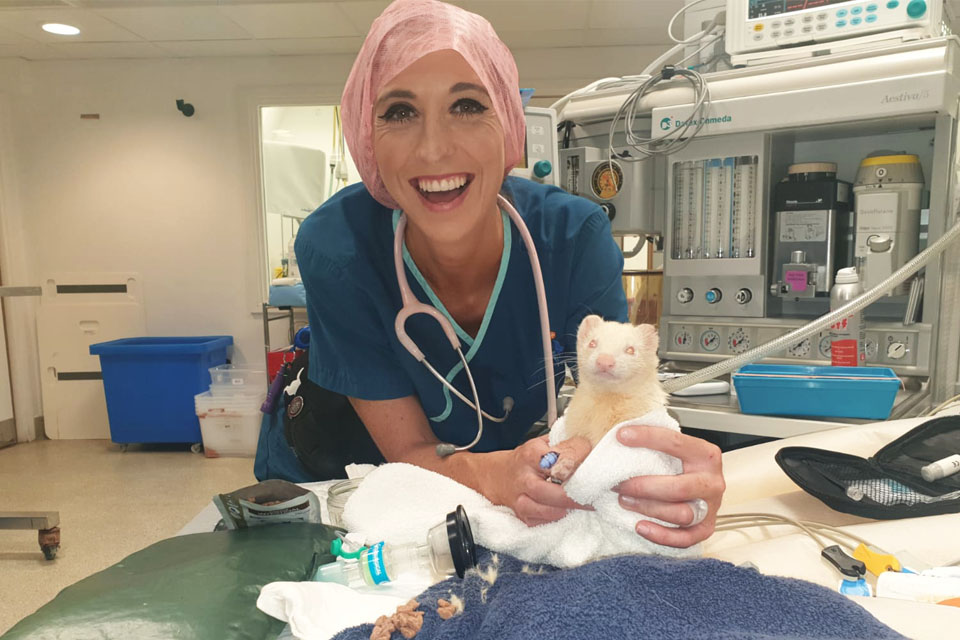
(399, 503)
(321, 610)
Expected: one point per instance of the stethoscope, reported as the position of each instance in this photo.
(412, 306)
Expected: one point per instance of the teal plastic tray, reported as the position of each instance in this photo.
(834, 392)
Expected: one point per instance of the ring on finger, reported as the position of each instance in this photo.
(700, 510)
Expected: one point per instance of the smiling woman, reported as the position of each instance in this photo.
(433, 119)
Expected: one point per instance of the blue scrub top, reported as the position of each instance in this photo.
(345, 255)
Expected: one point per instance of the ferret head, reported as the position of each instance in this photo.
(614, 356)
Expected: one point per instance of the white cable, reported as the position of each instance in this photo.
(694, 37)
(709, 42)
(824, 321)
(673, 140)
(942, 405)
(734, 521)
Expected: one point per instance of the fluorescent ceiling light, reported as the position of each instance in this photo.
(60, 29)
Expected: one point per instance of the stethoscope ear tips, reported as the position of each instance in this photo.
(507, 405)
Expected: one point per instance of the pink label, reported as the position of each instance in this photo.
(796, 279)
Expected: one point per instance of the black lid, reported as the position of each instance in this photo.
(460, 537)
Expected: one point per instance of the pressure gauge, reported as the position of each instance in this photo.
(738, 341)
(800, 350)
(825, 347)
(683, 338)
(710, 340)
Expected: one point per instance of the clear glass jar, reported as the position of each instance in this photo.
(337, 497)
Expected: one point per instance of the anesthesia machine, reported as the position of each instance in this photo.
(819, 151)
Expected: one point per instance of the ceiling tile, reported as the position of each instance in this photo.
(93, 28)
(618, 37)
(207, 48)
(27, 51)
(291, 20)
(623, 14)
(176, 23)
(362, 13)
(307, 46)
(540, 39)
(532, 15)
(30, 4)
(11, 37)
(82, 50)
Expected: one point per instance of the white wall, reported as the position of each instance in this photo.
(147, 190)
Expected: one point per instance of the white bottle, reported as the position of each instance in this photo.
(846, 335)
(293, 271)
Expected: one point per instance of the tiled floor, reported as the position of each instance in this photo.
(111, 503)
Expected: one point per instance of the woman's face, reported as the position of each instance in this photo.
(439, 145)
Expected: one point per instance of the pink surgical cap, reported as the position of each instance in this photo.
(406, 31)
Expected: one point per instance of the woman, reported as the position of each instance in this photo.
(433, 119)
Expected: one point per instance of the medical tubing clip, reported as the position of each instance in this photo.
(844, 564)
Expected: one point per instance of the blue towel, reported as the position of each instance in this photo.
(629, 597)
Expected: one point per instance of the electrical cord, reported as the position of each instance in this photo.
(694, 38)
(735, 521)
(673, 140)
(943, 405)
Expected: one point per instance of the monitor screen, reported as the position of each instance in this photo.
(767, 8)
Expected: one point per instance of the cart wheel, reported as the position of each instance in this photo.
(197, 447)
(49, 540)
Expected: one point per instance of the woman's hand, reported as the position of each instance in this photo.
(666, 497)
(516, 480)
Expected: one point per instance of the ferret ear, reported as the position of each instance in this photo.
(587, 325)
(648, 336)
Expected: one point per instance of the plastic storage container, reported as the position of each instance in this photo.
(230, 425)
(150, 383)
(229, 379)
(837, 392)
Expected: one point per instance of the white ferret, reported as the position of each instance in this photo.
(617, 365)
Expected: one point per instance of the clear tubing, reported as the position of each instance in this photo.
(799, 334)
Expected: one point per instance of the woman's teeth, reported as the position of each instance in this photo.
(448, 184)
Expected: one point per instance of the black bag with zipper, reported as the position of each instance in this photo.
(322, 428)
(888, 485)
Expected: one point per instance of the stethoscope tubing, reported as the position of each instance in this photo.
(411, 306)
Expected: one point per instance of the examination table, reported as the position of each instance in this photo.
(226, 571)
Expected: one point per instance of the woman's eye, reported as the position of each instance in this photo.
(631, 351)
(398, 113)
(467, 107)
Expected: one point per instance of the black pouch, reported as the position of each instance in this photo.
(323, 429)
(888, 485)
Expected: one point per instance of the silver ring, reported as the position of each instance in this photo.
(700, 510)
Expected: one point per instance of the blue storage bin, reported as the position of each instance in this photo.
(150, 384)
(834, 392)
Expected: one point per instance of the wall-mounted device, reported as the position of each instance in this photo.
(539, 162)
(622, 187)
(888, 193)
(760, 29)
(813, 230)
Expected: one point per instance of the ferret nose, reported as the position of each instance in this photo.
(605, 362)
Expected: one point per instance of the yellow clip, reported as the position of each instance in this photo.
(876, 562)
